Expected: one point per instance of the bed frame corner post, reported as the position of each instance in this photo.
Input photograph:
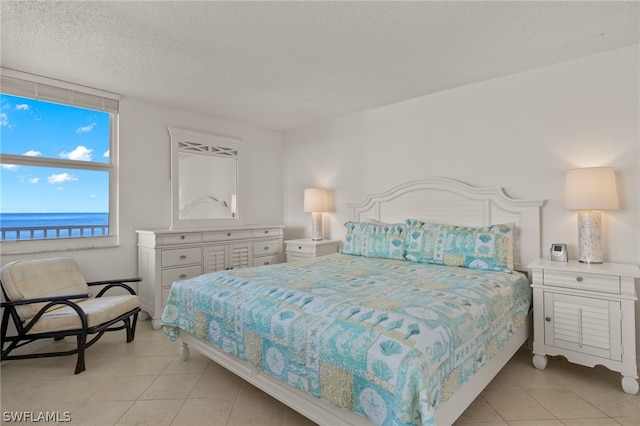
(183, 350)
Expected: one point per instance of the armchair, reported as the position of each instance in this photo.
(49, 298)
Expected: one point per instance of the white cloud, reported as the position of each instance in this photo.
(11, 167)
(60, 188)
(86, 129)
(4, 120)
(81, 153)
(22, 107)
(32, 153)
(62, 177)
(106, 154)
(33, 180)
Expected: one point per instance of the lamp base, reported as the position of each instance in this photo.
(589, 249)
(317, 233)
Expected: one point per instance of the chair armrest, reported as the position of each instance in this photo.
(116, 283)
(46, 299)
(123, 280)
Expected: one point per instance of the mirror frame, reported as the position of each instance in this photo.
(188, 141)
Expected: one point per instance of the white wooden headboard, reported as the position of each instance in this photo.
(448, 201)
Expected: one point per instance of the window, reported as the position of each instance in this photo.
(57, 169)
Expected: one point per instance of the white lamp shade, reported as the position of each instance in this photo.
(592, 188)
(315, 200)
(234, 207)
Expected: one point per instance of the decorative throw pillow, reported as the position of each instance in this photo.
(355, 239)
(385, 241)
(489, 247)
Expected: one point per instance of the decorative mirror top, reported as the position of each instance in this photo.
(195, 148)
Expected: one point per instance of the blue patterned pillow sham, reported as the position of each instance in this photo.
(355, 239)
(385, 241)
(489, 247)
(369, 240)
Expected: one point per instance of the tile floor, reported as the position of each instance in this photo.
(145, 383)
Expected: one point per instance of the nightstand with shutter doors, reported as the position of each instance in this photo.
(307, 248)
(165, 256)
(586, 313)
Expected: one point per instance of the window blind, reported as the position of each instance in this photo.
(61, 95)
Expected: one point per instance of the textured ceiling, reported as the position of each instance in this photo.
(285, 65)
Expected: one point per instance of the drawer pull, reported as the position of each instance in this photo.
(266, 232)
(579, 279)
(267, 262)
(183, 257)
(182, 237)
(547, 319)
(266, 247)
(183, 276)
(299, 247)
(228, 234)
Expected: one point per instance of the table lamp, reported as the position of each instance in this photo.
(315, 202)
(590, 190)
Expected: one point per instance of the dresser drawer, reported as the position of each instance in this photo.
(266, 260)
(297, 257)
(183, 256)
(186, 238)
(176, 274)
(582, 281)
(261, 248)
(239, 234)
(267, 232)
(300, 248)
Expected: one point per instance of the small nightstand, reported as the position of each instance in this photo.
(307, 248)
(586, 313)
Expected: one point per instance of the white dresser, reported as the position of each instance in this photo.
(165, 256)
(586, 313)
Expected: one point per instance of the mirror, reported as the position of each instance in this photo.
(204, 179)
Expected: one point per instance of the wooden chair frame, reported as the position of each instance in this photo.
(23, 337)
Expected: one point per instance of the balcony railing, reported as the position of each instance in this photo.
(44, 232)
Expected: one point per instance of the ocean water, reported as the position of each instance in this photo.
(28, 221)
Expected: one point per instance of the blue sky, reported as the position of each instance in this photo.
(43, 129)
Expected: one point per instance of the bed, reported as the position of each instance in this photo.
(385, 332)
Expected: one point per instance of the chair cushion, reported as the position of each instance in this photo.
(28, 279)
(98, 310)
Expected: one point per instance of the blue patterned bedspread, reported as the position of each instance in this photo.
(388, 339)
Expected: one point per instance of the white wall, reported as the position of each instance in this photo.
(520, 132)
(145, 186)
